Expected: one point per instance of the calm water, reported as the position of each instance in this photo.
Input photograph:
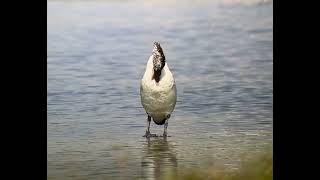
(220, 54)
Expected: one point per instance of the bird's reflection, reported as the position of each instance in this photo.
(158, 158)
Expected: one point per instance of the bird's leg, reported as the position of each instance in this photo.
(165, 128)
(148, 127)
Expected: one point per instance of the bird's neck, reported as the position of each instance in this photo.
(156, 75)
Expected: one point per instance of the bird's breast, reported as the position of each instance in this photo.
(158, 101)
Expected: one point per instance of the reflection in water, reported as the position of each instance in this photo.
(158, 158)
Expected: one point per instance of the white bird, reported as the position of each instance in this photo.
(158, 90)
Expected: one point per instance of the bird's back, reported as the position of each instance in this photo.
(158, 99)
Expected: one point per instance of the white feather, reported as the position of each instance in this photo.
(158, 99)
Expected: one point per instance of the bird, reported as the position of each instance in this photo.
(158, 90)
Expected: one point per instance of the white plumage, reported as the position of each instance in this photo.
(158, 98)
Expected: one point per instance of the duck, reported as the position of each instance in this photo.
(158, 90)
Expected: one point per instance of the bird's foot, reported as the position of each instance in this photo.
(148, 135)
(164, 134)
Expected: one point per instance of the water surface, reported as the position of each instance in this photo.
(221, 56)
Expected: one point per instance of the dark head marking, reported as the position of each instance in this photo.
(158, 50)
(159, 61)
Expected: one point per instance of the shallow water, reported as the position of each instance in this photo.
(221, 56)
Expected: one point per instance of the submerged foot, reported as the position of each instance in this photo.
(164, 134)
(148, 135)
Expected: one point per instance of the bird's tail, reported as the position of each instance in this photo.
(160, 122)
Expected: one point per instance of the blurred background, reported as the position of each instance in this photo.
(220, 53)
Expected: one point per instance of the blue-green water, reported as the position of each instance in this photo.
(221, 56)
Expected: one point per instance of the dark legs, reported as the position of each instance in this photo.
(165, 128)
(148, 127)
(148, 134)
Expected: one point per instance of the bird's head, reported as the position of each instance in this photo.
(158, 57)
